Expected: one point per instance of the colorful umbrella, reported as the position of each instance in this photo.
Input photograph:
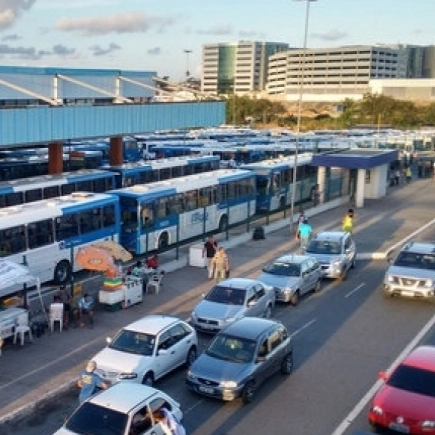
(117, 251)
(93, 258)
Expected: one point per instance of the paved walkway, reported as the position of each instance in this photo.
(40, 371)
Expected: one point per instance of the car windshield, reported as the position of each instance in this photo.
(415, 260)
(230, 348)
(283, 268)
(133, 342)
(226, 295)
(414, 380)
(92, 419)
(323, 247)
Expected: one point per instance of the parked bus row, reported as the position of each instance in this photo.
(145, 217)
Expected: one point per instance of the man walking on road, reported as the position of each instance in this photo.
(305, 230)
(209, 251)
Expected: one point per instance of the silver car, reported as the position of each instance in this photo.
(230, 300)
(335, 251)
(293, 276)
(240, 358)
(412, 273)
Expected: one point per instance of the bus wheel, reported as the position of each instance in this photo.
(62, 272)
(223, 224)
(163, 241)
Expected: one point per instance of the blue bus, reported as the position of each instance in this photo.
(142, 172)
(48, 186)
(157, 215)
(45, 235)
(130, 148)
(274, 181)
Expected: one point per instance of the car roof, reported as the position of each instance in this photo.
(250, 327)
(293, 258)
(330, 235)
(238, 282)
(420, 247)
(422, 357)
(124, 396)
(152, 324)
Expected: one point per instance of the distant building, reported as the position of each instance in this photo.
(238, 67)
(334, 74)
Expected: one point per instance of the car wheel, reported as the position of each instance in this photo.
(318, 286)
(353, 265)
(148, 379)
(287, 364)
(268, 312)
(294, 300)
(191, 356)
(343, 274)
(248, 392)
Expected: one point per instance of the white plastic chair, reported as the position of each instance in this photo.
(21, 327)
(56, 315)
(155, 283)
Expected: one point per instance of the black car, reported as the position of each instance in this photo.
(240, 358)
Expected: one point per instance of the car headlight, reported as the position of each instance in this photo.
(428, 424)
(287, 290)
(126, 376)
(377, 410)
(228, 384)
(190, 375)
(193, 315)
(428, 283)
(390, 278)
(336, 263)
(230, 319)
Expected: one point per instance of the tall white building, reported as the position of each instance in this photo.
(333, 74)
(238, 67)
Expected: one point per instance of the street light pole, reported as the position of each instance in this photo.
(299, 117)
(187, 52)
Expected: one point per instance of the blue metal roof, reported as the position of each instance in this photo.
(355, 158)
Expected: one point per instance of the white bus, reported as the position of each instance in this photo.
(45, 235)
(157, 215)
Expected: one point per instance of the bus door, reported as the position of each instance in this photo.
(147, 226)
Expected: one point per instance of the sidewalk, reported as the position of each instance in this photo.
(41, 371)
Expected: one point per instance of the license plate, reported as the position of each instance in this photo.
(399, 427)
(407, 293)
(206, 390)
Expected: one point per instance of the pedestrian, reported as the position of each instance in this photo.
(208, 252)
(305, 230)
(408, 174)
(300, 220)
(315, 194)
(397, 176)
(89, 382)
(168, 422)
(347, 222)
(85, 307)
(221, 265)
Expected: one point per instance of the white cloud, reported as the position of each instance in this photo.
(10, 10)
(133, 22)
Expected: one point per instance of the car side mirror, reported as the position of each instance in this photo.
(260, 359)
(252, 303)
(108, 340)
(162, 352)
(383, 376)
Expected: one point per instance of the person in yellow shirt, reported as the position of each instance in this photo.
(347, 222)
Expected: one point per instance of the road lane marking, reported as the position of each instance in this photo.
(355, 290)
(303, 327)
(348, 420)
(190, 409)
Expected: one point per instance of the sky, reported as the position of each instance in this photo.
(154, 35)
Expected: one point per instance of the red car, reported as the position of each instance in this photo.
(406, 401)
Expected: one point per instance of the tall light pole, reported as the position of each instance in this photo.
(187, 53)
(299, 117)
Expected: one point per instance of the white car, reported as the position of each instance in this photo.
(123, 409)
(147, 349)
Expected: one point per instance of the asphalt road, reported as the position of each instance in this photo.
(343, 336)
